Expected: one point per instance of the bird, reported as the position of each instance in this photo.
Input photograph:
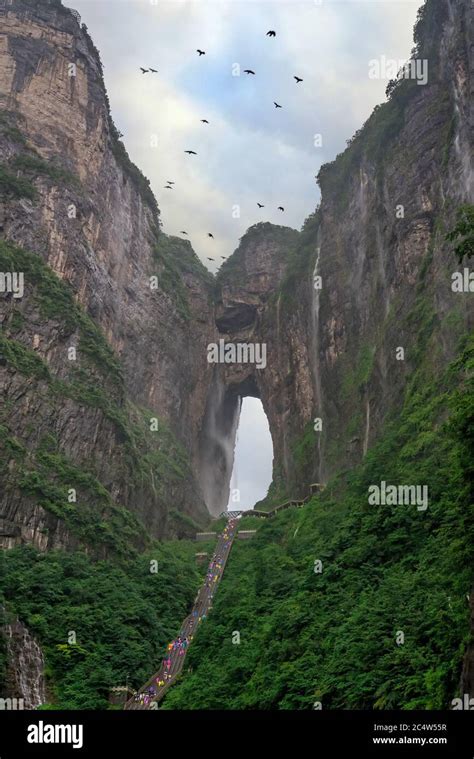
(224, 257)
(276, 105)
(201, 52)
(210, 259)
(144, 71)
(170, 182)
(280, 208)
(183, 232)
(167, 187)
(298, 79)
(191, 152)
(204, 121)
(260, 205)
(271, 33)
(154, 71)
(249, 71)
(210, 235)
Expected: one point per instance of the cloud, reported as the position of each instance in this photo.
(250, 151)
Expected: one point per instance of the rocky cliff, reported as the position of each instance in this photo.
(24, 678)
(115, 421)
(108, 390)
(363, 295)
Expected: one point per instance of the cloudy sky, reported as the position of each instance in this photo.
(249, 152)
(252, 473)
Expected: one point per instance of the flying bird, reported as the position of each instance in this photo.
(201, 52)
(210, 235)
(271, 33)
(280, 208)
(276, 105)
(190, 152)
(144, 71)
(167, 187)
(224, 257)
(183, 232)
(154, 71)
(260, 205)
(170, 182)
(249, 71)
(298, 79)
(204, 121)
(210, 259)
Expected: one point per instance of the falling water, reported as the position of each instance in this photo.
(315, 345)
(218, 445)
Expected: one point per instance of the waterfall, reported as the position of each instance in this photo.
(367, 425)
(315, 297)
(218, 445)
(25, 668)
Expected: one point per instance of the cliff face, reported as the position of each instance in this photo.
(71, 196)
(333, 305)
(25, 670)
(377, 242)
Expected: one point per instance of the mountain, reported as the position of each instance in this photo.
(117, 430)
(118, 421)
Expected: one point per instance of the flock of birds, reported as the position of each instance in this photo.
(249, 72)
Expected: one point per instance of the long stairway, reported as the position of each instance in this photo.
(154, 689)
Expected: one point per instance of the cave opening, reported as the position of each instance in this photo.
(235, 445)
(253, 456)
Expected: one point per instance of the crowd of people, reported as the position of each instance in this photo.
(177, 648)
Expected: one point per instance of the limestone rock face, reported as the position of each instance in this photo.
(344, 309)
(25, 681)
(95, 223)
(369, 274)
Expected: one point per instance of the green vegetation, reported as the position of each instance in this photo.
(24, 360)
(463, 233)
(283, 238)
(164, 254)
(15, 187)
(132, 171)
(32, 163)
(122, 614)
(154, 460)
(56, 301)
(331, 636)
(301, 257)
(176, 257)
(356, 377)
(9, 129)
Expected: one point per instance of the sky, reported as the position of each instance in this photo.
(252, 472)
(250, 152)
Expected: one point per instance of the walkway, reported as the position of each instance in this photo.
(153, 690)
